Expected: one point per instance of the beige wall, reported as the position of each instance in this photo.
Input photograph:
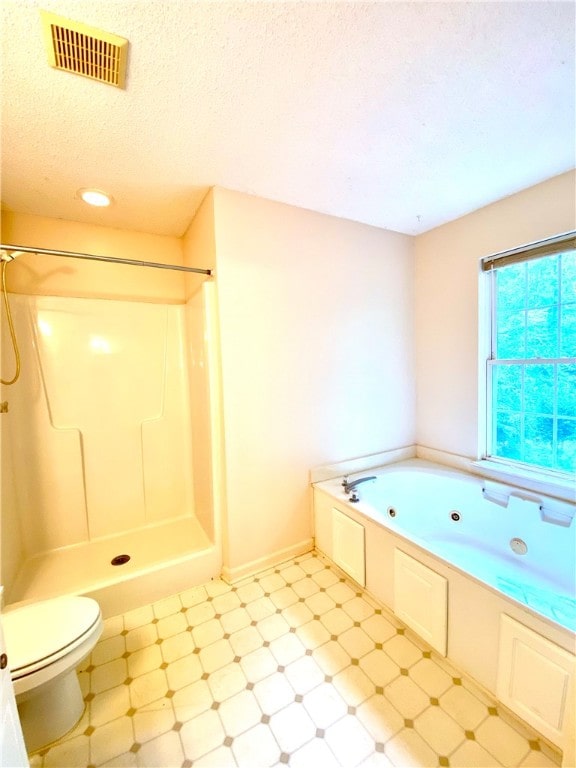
(316, 323)
(447, 288)
(58, 276)
(199, 245)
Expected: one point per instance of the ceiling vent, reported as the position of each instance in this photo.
(87, 51)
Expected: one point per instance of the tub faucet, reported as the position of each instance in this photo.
(349, 487)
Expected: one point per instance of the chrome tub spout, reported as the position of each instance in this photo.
(349, 487)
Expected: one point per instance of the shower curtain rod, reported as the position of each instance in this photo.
(16, 250)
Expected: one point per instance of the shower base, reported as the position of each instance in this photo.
(164, 559)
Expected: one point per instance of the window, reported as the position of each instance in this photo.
(531, 370)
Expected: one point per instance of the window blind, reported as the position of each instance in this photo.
(560, 244)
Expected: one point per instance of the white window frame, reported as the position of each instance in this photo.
(540, 479)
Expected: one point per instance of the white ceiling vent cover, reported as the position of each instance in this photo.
(83, 50)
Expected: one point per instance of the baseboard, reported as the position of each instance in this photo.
(232, 575)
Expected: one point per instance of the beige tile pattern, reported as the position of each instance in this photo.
(296, 666)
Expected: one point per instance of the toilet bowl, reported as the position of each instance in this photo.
(45, 642)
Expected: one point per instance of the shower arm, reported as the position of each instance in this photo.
(12, 251)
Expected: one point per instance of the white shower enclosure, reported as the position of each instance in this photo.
(109, 449)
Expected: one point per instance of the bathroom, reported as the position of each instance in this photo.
(349, 315)
(273, 489)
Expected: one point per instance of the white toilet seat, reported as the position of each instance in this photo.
(45, 643)
(40, 634)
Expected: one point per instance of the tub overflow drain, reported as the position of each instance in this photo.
(391, 512)
(120, 559)
(518, 546)
(455, 516)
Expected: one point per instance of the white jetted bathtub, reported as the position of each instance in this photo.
(484, 572)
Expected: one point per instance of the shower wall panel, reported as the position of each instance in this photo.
(45, 491)
(11, 544)
(202, 336)
(100, 424)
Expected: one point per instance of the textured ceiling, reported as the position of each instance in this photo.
(403, 115)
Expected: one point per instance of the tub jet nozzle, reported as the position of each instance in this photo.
(518, 546)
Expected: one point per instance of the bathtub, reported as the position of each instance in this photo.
(518, 543)
(483, 572)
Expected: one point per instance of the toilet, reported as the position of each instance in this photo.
(45, 643)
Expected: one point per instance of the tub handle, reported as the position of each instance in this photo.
(555, 517)
(496, 497)
(547, 514)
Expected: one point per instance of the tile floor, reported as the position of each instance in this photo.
(295, 666)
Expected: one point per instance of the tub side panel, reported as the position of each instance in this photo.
(380, 545)
(323, 504)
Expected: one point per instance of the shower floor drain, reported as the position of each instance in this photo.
(120, 559)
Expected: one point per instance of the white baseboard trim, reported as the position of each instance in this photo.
(232, 575)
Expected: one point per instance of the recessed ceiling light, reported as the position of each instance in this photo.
(95, 197)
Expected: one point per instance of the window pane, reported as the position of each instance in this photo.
(510, 335)
(511, 288)
(507, 430)
(507, 387)
(568, 331)
(567, 390)
(539, 440)
(568, 276)
(542, 286)
(539, 389)
(567, 445)
(532, 400)
(542, 332)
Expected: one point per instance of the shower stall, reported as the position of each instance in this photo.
(110, 448)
